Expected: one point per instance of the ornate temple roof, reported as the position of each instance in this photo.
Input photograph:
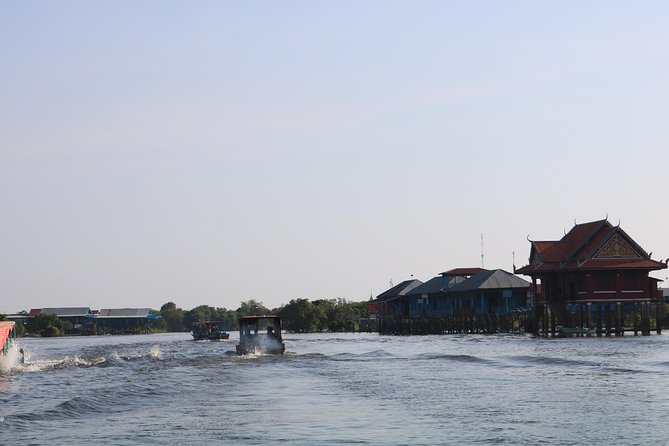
(588, 246)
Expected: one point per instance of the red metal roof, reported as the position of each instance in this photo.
(579, 249)
(594, 264)
(463, 271)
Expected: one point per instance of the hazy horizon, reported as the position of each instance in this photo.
(215, 152)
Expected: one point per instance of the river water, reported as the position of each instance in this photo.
(338, 389)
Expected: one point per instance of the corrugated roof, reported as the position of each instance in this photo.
(463, 271)
(123, 312)
(433, 285)
(400, 289)
(495, 279)
(67, 311)
(437, 285)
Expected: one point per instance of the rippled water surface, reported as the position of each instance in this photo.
(338, 389)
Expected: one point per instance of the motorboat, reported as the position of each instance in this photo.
(260, 335)
(211, 330)
(7, 336)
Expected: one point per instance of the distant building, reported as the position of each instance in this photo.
(124, 320)
(20, 318)
(491, 292)
(456, 293)
(474, 296)
(383, 303)
(107, 321)
(79, 317)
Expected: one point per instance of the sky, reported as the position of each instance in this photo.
(211, 152)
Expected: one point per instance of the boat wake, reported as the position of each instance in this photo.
(10, 361)
(14, 363)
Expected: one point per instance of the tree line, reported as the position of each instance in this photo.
(299, 315)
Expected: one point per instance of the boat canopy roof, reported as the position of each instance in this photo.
(264, 316)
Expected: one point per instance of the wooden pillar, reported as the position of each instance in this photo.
(552, 321)
(608, 319)
(659, 316)
(588, 315)
(619, 319)
(599, 319)
(534, 321)
(645, 319)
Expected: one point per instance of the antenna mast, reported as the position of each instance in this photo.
(482, 263)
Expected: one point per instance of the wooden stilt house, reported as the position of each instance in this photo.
(594, 279)
(463, 300)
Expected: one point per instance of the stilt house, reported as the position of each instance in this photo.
(462, 300)
(595, 277)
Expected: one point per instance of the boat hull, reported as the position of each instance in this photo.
(7, 335)
(211, 336)
(260, 350)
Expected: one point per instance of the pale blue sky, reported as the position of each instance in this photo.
(212, 152)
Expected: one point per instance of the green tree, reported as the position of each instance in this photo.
(45, 324)
(326, 313)
(158, 324)
(251, 307)
(20, 329)
(335, 315)
(203, 313)
(174, 317)
(229, 317)
(301, 316)
(51, 331)
(68, 327)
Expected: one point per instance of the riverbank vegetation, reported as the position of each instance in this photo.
(299, 315)
(47, 325)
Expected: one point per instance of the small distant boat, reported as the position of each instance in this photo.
(212, 330)
(7, 336)
(260, 334)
